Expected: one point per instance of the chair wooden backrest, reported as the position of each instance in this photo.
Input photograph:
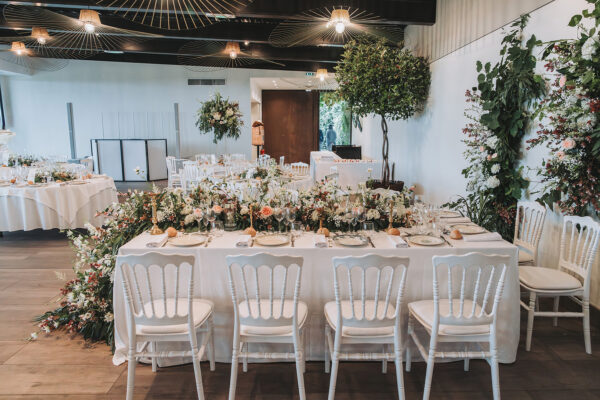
(474, 301)
(578, 247)
(154, 286)
(253, 282)
(528, 226)
(381, 281)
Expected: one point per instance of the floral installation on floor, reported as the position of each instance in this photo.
(86, 303)
(221, 117)
(498, 110)
(570, 123)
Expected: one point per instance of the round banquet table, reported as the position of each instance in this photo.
(51, 206)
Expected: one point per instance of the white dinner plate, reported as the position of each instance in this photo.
(351, 240)
(468, 229)
(426, 240)
(448, 214)
(187, 240)
(271, 240)
(4, 184)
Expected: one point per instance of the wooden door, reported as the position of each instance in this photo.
(291, 119)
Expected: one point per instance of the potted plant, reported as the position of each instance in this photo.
(375, 78)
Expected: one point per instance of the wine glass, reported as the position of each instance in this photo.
(211, 216)
(290, 215)
(278, 214)
(355, 213)
(362, 216)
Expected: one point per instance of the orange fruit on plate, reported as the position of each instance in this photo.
(30, 182)
(171, 232)
(455, 234)
(393, 232)
(250, 231)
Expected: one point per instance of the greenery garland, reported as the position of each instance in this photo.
(498, 110)
(375, 78)
(221, 117)
(570, 120)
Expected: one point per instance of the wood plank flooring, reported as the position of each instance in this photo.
(61, 366)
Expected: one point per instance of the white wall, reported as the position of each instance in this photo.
(427, 149)
(120, 100)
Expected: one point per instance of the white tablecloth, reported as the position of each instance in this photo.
(350, 172)
(316, 288)
(51, 206)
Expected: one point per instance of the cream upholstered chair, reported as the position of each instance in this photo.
(528, 230)
(578, 246)
(161, 307)
(265, 290)
(474, 283)
(371, 316)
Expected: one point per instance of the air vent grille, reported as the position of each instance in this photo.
(206, 82)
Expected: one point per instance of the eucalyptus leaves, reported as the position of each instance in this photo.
(221, 117)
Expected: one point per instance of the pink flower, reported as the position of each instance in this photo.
(489, 157)
(568, 143)
(266, 211)
(198, 213)
(481, 148)
(218, 209)
(563, 81)
(560, 155)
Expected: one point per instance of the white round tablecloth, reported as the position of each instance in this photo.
(62, 206)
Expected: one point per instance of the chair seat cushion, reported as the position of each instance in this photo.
(525, 257)
(265, 306)
(331, 314)
(423, 311)
(202, 310)
(547, 279)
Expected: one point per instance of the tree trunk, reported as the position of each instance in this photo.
(385, 174)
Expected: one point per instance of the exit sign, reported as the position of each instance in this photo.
(310, 74)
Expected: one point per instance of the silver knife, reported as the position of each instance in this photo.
(370, 241)
(208, 239)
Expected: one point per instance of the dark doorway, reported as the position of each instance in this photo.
(291, 119)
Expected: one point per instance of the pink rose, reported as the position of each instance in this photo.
(560, 155)
(563, 81)
(218, 209)
(266, 211)
(568, 143)
(198, 213)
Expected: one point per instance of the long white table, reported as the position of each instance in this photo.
(62, 206)
(350, 172)
(316, 287)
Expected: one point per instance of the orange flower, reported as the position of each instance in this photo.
(218, 209)
(266, 211)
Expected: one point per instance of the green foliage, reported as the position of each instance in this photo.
(504, 95)
(335, 112)
(221, 117)
(475, 206)
(375, 78)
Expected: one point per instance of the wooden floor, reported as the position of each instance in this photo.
(62, 367)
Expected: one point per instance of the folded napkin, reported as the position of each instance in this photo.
(455, 220)
(397, 242)
(243, 241)
(483, 237)
(320, 241)
(157, 241)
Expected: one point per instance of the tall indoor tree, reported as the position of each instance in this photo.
(375, 78)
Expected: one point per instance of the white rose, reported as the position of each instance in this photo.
(492, 182)
(492, 142)
(244, 210)
(190, 218)
(495, 168)
(217, 116)
(229, 112)
(588, 49)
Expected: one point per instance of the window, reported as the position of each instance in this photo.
(335, 122)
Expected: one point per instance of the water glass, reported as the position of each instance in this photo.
(218, 228)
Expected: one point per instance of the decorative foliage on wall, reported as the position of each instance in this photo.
(570, 126)
(498, 110)
(375, 78)
(221, 117)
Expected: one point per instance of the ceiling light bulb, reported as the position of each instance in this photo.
(322, 78)
(89, 27)
(19, 52)
(233, 55)
(340, 27)
(246, 43)
(41, 40)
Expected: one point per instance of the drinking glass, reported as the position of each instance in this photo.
(218, 228)
(290, 215)
(369, 227)
(355, 214)
(278, 214)
(297, 229)
(362, 216)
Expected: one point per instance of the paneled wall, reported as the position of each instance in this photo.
(427, 149)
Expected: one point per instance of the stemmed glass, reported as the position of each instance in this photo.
(278, 214)
(355, 215)
(362, 216)
(290, 216)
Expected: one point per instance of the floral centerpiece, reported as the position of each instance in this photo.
(24, 160)
(86, 306)
(570, 123)
(221, 117)
(57, 175)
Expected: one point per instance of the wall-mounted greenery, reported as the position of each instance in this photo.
(499, 113)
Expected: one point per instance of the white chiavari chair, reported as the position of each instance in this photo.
(161, 307)
(528, 230)
(174, 167)
(190, 174)
(467, 316)
(578, 246)
(261, 286)
(371, 316)
(299, 168)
